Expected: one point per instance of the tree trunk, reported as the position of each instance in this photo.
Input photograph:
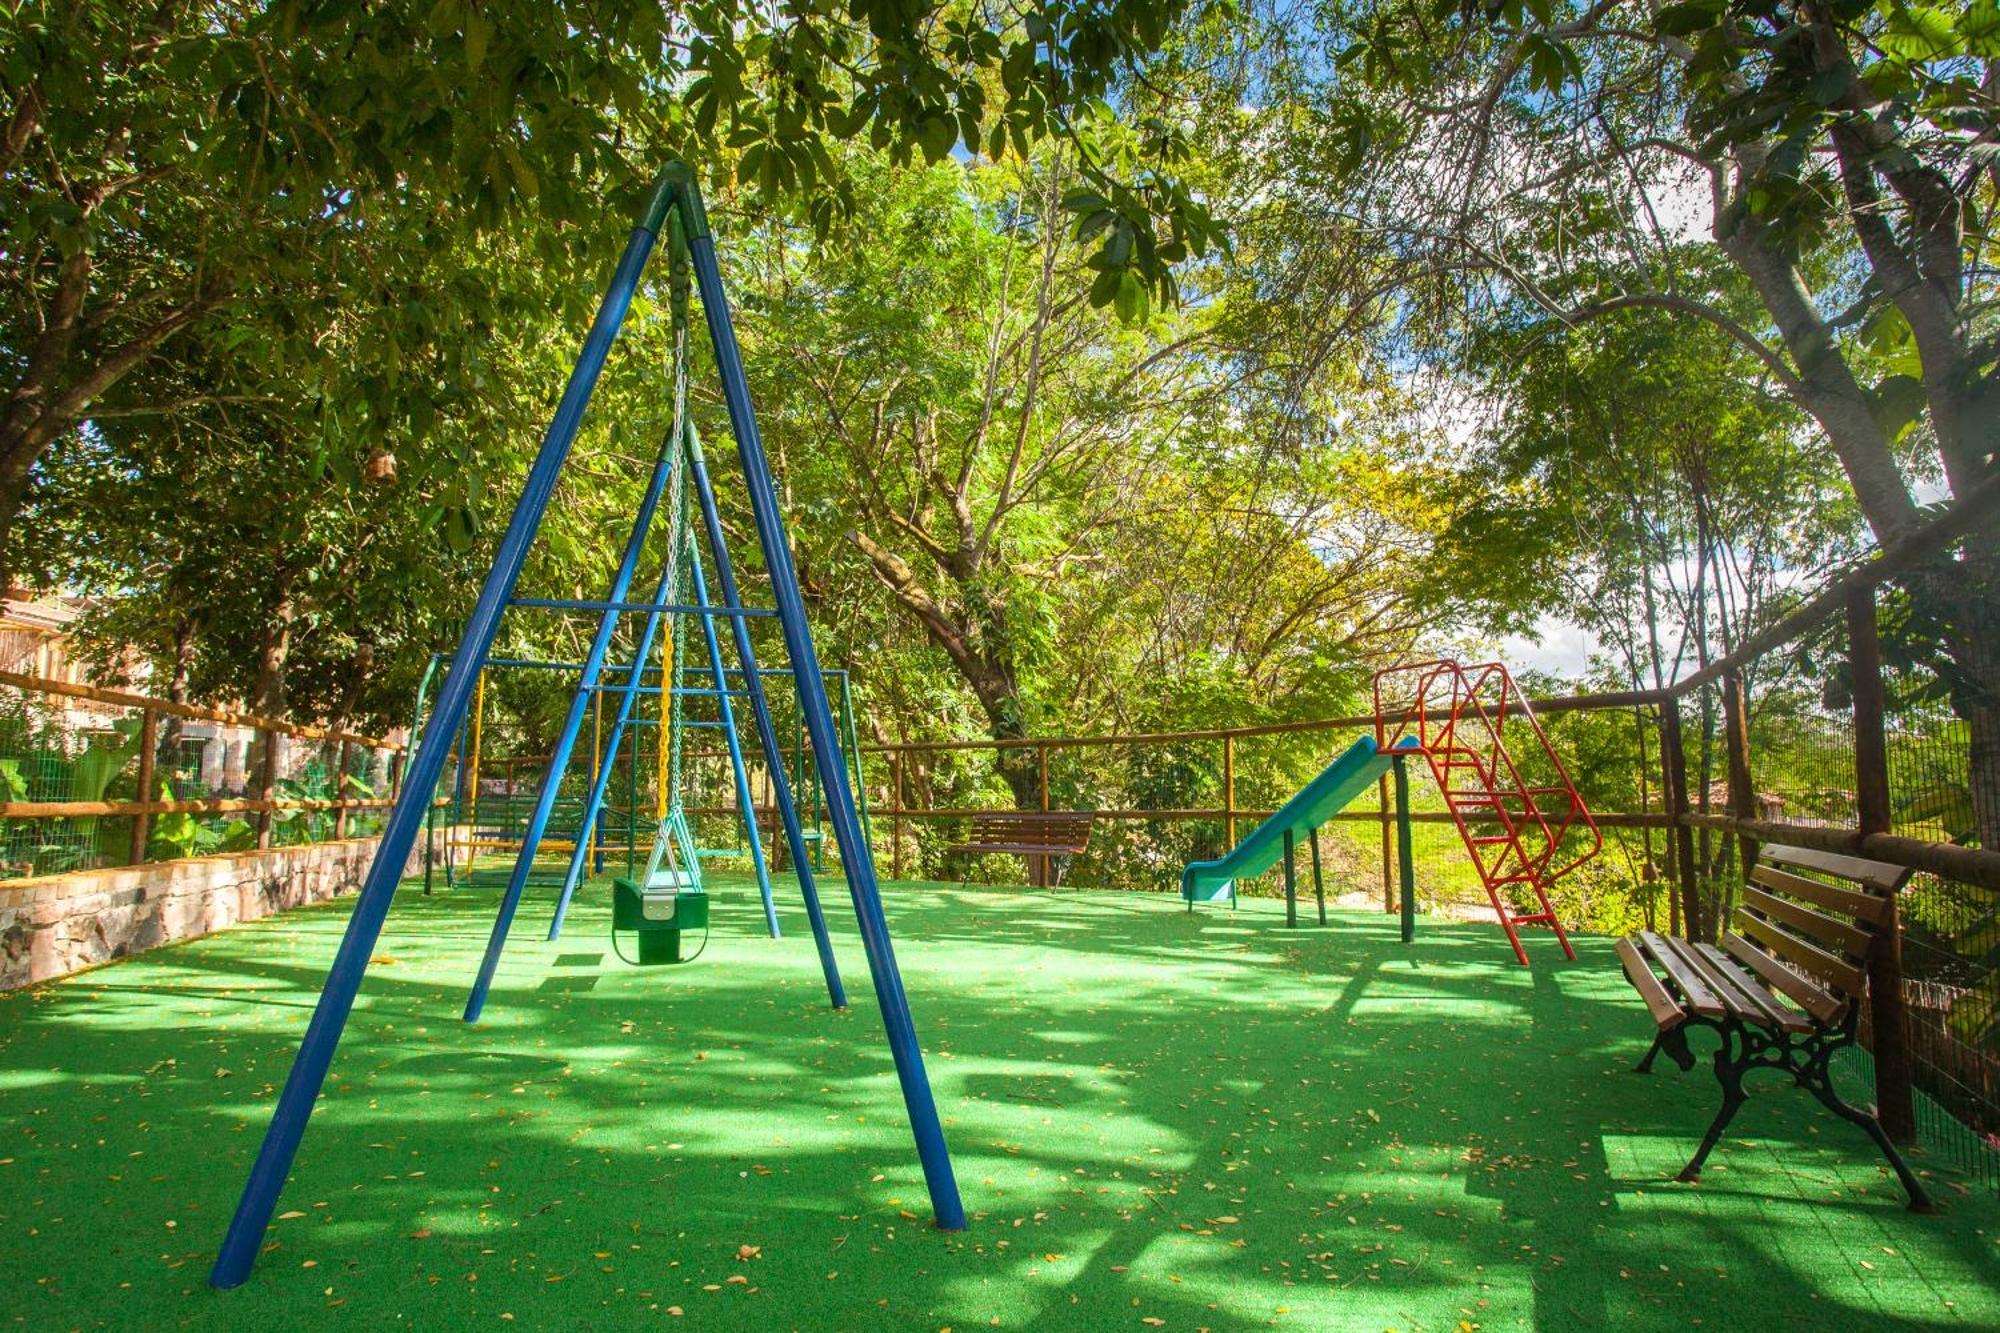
(1968, 593)
(268, 697)
(166, 757)
(979, 642)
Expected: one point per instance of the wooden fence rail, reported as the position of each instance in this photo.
(265, 804)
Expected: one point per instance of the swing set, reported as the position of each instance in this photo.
(674, 212)
(487, 797)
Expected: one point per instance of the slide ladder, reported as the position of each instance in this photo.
(1523, 834)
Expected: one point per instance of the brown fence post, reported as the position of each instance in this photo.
(1674, 762)
(896, 826)
(1229, 790)
(1045, 866)
(340, 792)
(267, 783)
(149, 740)
(1888, 1023)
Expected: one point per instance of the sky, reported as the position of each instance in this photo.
(1557, 646)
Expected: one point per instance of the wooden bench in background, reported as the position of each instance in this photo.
(1784, 989)
(1037, 835)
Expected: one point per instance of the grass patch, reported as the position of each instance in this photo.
(1204, 1121)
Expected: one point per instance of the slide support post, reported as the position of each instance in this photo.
(1405, 855)
(1291, 886)
(1319, 878)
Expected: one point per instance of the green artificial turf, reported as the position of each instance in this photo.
(1159, 1121)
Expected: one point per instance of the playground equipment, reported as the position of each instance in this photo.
(1522, 835)
(488, 795)
(666, 900)
(1357, 770)
(675, 208)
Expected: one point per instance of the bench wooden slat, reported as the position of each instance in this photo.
(1869, 907)
(1028, 833)
(1830, 931)
(1759, 1002)
(1661, 1005)
(1693, 988)
(1017, 834)
(1730, 995)
(987, 831)
(1832, 969)
(1875, 874)
(1018, 848)
(1821, 1005)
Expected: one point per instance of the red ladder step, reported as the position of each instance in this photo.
(1452, 705)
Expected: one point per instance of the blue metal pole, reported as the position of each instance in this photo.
(627, 699)
(744, 800)
(399, 834)
(917, 1097)
(760, 712)
(579, 706)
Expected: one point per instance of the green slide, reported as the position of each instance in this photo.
(1326, 795)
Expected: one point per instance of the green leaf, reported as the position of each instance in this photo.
(477, 32)
(1691, 16)
(1896, 404)
(1105, 289)
(936, 135)
(1132, 301)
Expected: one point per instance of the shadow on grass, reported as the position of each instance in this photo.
(1204, 1119)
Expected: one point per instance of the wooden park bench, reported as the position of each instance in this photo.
(1036, 835)
(1784, 989)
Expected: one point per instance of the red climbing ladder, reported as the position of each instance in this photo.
(1523, 836)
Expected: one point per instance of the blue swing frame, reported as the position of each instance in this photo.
(674, 205)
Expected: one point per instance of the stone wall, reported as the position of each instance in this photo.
(59, 924)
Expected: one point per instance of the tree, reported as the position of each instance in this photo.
(1091, 524)
(986, 418)
(189, 160)
(1666, 499)
(1841, 157)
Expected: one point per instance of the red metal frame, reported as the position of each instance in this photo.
(1458, 715)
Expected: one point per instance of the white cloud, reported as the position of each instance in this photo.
(1557, 646)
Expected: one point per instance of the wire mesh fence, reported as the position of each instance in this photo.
(92, 778)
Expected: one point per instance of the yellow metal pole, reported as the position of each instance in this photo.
(596, 767)
(667, 723)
